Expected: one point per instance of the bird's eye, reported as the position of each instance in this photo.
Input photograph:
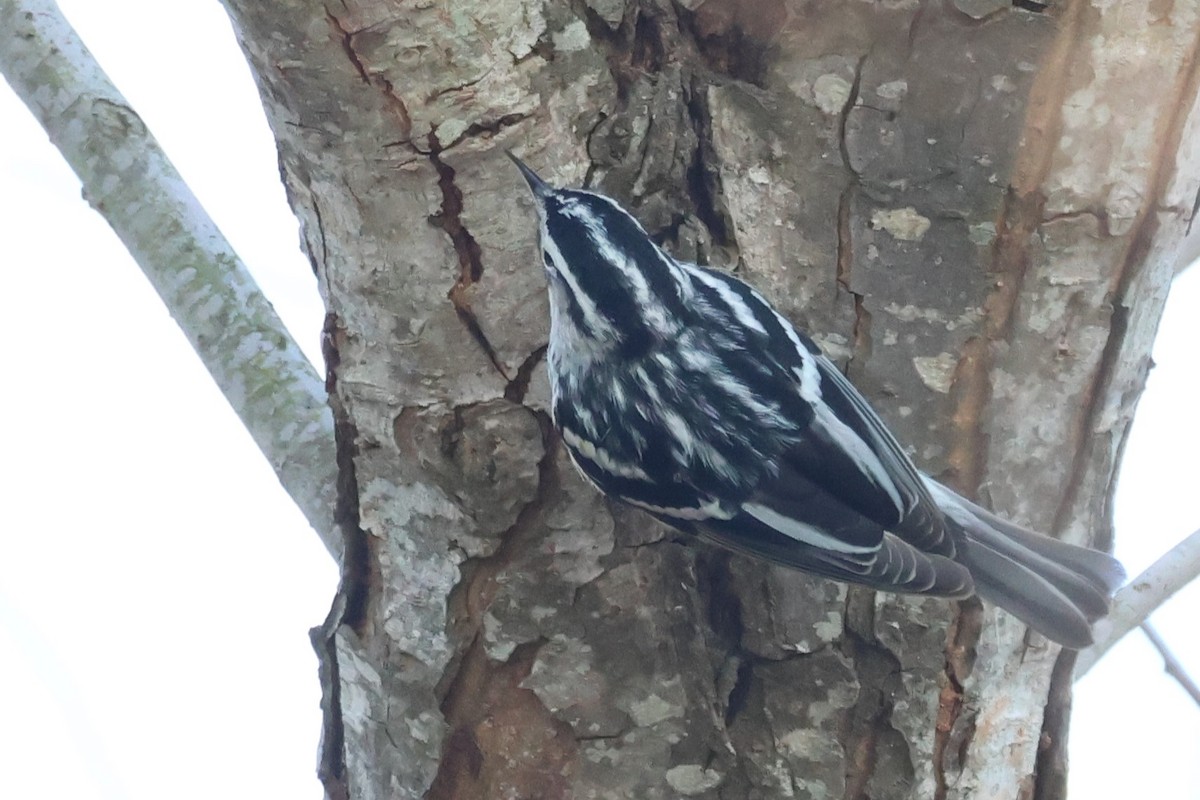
(546, 260)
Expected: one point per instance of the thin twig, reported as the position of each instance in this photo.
(127, 177)
(1135, 603)
(1171, 664)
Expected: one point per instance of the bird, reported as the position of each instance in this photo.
(678, 389)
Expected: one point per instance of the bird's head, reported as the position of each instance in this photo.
(608, 280)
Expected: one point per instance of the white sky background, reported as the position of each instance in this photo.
(156, 584)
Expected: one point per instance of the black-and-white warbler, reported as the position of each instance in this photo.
(680, 390)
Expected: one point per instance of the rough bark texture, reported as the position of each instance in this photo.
(973, 207)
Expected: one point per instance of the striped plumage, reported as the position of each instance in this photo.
(679, 390)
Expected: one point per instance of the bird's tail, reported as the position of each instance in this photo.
(1056, 588)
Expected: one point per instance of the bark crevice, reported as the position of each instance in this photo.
(868, 736)
(350, 607)
(375, 78)
(470, 260)
(516, 389)
(483, 698)
(950, 724)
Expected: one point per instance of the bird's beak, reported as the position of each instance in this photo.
(538, 186)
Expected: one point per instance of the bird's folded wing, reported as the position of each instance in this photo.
(814, 532)
(847, 451)
(850, 454)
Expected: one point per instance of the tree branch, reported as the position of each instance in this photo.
(1172, 664)
(127, 178)
(1141, 596)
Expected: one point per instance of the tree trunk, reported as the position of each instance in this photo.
(975, 208)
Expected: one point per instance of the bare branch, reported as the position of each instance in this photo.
(1137, 601)
(1171, 664)
(127, 178)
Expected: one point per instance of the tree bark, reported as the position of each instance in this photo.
(975, 208)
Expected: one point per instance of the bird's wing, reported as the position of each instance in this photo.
(855, 458)
(795, 522)
(847, 453)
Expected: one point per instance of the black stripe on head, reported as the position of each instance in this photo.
(589, 232)
(601, 281)
(574, 310)
(639, 247)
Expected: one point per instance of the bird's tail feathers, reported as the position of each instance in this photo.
(1057, 588)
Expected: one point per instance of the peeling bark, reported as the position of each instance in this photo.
(972, 206)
